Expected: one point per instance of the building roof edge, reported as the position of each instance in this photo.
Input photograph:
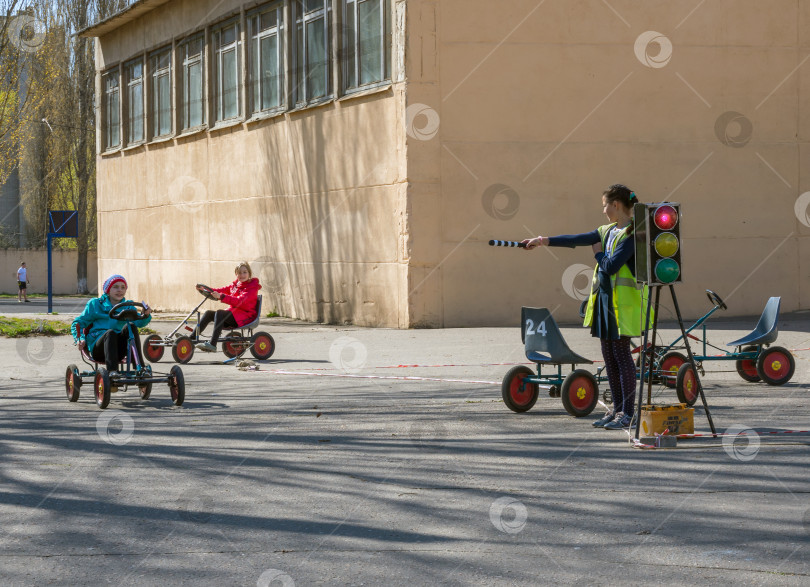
(128, 14)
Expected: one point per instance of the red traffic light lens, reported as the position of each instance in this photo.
(665, 217)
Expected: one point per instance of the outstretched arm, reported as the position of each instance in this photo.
(564, 240)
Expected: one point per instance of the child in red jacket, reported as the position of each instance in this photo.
(241, 296)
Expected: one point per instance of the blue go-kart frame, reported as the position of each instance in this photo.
(755, 360)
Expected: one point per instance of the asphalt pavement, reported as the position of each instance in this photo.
(371, 456)
(61, 305)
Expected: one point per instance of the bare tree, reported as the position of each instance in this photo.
(54, 119)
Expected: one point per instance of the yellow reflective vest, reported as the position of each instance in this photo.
(629, 298)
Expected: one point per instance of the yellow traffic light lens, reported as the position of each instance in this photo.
(667, 270)
(666, 217)
(666, 244)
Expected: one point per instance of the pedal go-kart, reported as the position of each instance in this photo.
(579, 390)
(133, 372)
(754, 358)
(234, 344)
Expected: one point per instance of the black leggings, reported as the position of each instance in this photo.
(220, 318)
(111, 348)
(621, 372)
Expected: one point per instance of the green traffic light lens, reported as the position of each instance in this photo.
(666, 244)
(667, 270)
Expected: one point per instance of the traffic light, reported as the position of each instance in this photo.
(658, 243)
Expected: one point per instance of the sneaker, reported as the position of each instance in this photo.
(608, 417)
(206, 346)
(620, 422)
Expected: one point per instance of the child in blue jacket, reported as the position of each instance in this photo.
(106, 340)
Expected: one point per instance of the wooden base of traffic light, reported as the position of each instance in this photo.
(648, 373)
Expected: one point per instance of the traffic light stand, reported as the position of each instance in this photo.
(648, 372)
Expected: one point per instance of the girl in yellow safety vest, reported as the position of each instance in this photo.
(616, 303)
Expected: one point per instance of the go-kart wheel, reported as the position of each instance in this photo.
(145, 389)
(775, 365)
(262, 346)
(232, 347)
(670, 363)
(607, 396)
(151, 351)
(554, 391)
(518, 395)
(747, 368)
(177, 385)
(686, 384)
(182, 350)
(102, 387)
(73, 383)
(580, 393)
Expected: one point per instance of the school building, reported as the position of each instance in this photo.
(361, 153)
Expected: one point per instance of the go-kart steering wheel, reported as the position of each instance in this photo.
(206, 291)
(127, 311)
(715, 299)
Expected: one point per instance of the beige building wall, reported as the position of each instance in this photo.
(315, 200)
(505, 120)
(541, 106)
(36, 261)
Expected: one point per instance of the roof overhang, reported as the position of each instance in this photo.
(121, 18)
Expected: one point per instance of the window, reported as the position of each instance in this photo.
(192, 111)
(134, 73)
(366, 38)
(112, 123)
(265, 58)
(161, 67)
(227, 72)
(311, 49)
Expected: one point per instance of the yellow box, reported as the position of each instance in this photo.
(679, 419)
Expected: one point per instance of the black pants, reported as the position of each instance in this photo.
(220, 318)
(111, 348)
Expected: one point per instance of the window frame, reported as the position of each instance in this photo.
(299, 15)
(184, 64)
(155, 73)
(351, 9)
(131, 85)
(217, 53)
(255, 79)
(106, 110)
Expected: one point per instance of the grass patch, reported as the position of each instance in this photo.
(17, 327)
(273, 314)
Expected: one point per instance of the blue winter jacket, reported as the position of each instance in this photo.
(96, 315)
